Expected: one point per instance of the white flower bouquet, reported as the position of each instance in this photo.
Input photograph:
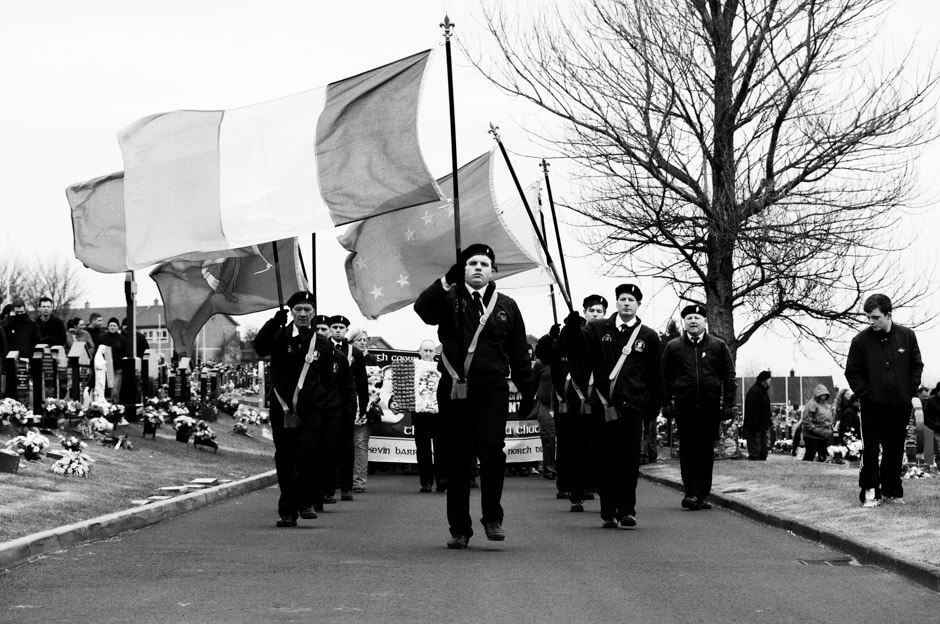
(31, 446)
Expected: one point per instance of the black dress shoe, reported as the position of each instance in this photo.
(308, 514)
(562, 495)
(442, 486)
(690, 503)
(577, 506)
(286, 521)
(346, 496)
(329, 500)
(609, 524)
(425, 488)
(703, 504)
(457, 542)
(628, 521)
(494, 531)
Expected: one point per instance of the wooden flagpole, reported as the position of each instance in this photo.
(277, 276)
(448, 27)
(551, 206)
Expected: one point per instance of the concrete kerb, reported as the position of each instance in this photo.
(20, 550)
(922, 573)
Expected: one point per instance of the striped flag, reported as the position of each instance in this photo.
(396, 256)
(196, 181)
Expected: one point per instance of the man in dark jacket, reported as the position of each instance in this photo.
(883, 368)
(624, 357)
(757, 417)
(356, 362)
(301, 384)
(932, 420)
(473, 394)
(22, 332)
(51, 327)
(339, 416)
(698, 373)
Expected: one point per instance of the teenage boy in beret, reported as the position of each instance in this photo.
(699, 379)
(301, 386)
(624, 358)
(345, 445)
(473, 399)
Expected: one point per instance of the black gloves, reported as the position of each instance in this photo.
(281, 317)
(555, 330)
(454, 274)
(573, 319)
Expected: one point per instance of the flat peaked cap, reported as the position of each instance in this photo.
(591, 300)
(339, 319)
(478, 249)
(301, 296)
(693, 308)
(629, 289)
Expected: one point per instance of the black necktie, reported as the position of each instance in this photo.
(478, 301)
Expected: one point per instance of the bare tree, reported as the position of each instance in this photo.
(57, 278)
(740, 149)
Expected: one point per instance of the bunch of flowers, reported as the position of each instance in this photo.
(241, 426)
(60, 408)
(251, 416)
(30, 446)
(11, 410)
(782, 446)
(73, 444)
(184, 422)
(203, 432)
(73, 465)
(227, 403)
(153, 415)
(202, 410)
(912, 471)
(176, 410)
(103, 409)
(161, 402)
(99, 425)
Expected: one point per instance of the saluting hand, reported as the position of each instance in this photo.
(454, 274)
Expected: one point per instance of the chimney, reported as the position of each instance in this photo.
(87, 304)
(156, 302)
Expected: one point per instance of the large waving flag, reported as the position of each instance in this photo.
(196, 181)
(98, 228)
(394, 257)
(193, 291)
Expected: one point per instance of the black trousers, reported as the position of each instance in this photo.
(698, 430)
(474, 427)
(617, 445)
(345, 453)
(884, 431)
(573, 449)
(326, 466)
(296, 460)
(758, 443)
(428, 446)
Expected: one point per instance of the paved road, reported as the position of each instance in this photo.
(382, 559)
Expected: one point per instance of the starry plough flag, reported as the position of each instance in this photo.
(394, 257)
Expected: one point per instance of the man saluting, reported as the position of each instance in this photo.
(483, 342)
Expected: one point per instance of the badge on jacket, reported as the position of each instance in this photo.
(310, 358)
(639, 346)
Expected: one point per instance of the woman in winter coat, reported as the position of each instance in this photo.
(817, 424)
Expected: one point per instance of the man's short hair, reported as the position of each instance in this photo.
(19, 303)
(93, 316)
(73, 322)
(45, 298)
(879, 301)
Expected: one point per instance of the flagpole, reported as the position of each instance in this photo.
(525, 202)
(448, 27)
(551, 287)
(277, 276)
(551, 206)
(313, 269)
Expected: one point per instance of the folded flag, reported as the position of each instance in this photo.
(193, 291)
(196, 181)
(394, 257)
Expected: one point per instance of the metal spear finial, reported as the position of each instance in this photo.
(544, 164)
(448, 27)
(494, 130)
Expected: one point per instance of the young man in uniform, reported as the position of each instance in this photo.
(301, 385)
(884, 369)
(624, 356)
(699, 379)
(345, 444)
(483, 341)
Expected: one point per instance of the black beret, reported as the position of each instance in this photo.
(630, 289)
(761, 376)
(321, 319)
(693, 308)
(478, 249)
(301, 296)
(114, 320)
(339, 319)
(591, 300)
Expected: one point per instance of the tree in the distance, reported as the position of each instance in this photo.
(743, 150)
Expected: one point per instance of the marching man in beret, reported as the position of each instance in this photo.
(483, 341)
(302, 382)
(699, 378)
(624, 357)
(345, 445)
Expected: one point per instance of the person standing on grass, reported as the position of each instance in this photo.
(301, 386)
(757, 417)
(884, 369)
(817, 424)
(932, 420)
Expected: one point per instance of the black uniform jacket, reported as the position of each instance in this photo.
(343, 396)
(356, 361)
(502, 350)
(639, 386)
(287, 354)
(884, 367)
(701, 375)
(572, 348)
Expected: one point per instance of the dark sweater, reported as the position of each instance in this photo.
(884, 367)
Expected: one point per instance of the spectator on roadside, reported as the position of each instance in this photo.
(757, 417)
(361, 427)
(884, 369)
(932, 420)
(817, 425)
(542, 382)
(22, 332)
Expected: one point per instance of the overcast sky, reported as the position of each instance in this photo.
(74, 72)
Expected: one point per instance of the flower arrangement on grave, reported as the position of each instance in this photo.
(73, 444)
(783, 446)
(202, 410)
(252, 416)
(154, 416)
(10, 408)
(60, 408)
(99, 425)
(161, 402)
(184, 422)
(177, 409)
(241, 426)
(103, 409)
(31, 446)
(203, 432)
(913, 471)
(227, 403)
(72, 465)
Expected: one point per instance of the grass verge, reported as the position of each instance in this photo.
(34, 499)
